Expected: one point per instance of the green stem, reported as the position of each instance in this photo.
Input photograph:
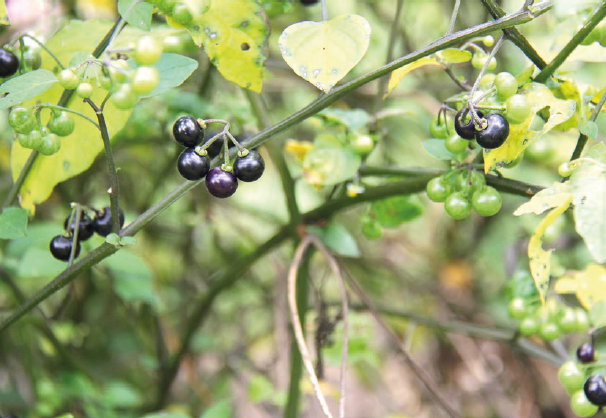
(582, 141)
(453, 17)
(12, 194)
(576, 40)
(114, 194)
(67, 109)
(291, 409)
(514, 35)
(48, 51)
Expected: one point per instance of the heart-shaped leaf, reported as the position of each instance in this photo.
(324, 52)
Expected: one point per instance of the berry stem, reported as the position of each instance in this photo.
(582, 141)
(66, 109)
(48, 51)
(77, 212)
(453, 17)
(241, 149)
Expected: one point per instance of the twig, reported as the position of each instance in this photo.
(453, 17)
(582, 141)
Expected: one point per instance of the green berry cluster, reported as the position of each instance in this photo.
(117, 76)
(30, 134)
(464, 190)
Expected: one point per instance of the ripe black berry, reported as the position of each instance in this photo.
(595, 390)
(496, 132)
(221, 183)
(9, 63)
(85, 228)
(465, 130)
(187, 132)
(102, 223)
(249, 167)
(193, 166)
(586, 353)
(61, 248)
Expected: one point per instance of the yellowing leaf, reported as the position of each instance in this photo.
(520, 135)
(397, 75)
(324, 52)
(555, 196)
(539, 258)
(589, 285)
(234, 34)
(454, 55)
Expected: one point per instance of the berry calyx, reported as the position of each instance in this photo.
(85, 227)
(250, 167)
(193, 166)
(221, 183)
(9, 63)
(495, 133)
(586, 353)
(102, 222)
(595, 390)
(61, 248)
(464, 129)
(187, 132)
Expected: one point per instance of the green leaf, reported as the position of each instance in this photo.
(397, 210)
(590, 129)
(260, 389)
(454, 55)
(221, 409)
(336, 237)
(137, 13)
(24, 87)
(128, 240)
(38, 262)
(13, 223)
(437, 149)
(133, 279)
(353, 119)
(325, 167)
(597, 314)
(173, 70)
(322, 53)
(121, 395)
(113, 239)
(589, 199)
(234, 34)
(524, 76)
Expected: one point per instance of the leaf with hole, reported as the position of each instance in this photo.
(322, 53)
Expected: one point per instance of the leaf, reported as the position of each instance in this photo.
(525, 76)
(221, 409)
(3, 16)
(133, 279)
(437, 149)
(396, 75)
(24, 87)
(137, 13)
(337, 238)
(588, 182)
(589, 285)
(521, 135)
(454, 55)
(597, 313)
(13, 223)
(324, 52)
(353, 119)
(79, 149)
(555, 196)
(325, 167)
(589, 128)
(396, 210)
(234, 34)
(173, 70)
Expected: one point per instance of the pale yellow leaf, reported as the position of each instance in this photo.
(397, 75)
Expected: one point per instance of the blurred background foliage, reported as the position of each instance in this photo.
(118, 324)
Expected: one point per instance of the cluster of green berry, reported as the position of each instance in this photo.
(116, 76)
(76, 231)
(194, 162)
(587, 390)
(462, 190)
(32, 135)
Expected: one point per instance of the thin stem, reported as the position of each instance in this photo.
(514, 35)
(12, 194)
(576, 40)
(48, 51)
(67, 109)
(453, 17)
(114, 193)
(582, 141)
(324, 11)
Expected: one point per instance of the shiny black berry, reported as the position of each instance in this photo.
(187, 132)
(102, 223)
(85, 228)
(249, 167)
(586, 353)
(595, 390)
(464, 129)
(496, 132)
(193, 166)
(61, 248)
(308, 2)
(9, 63)
(221, 183)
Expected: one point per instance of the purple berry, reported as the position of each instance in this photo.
(465, 130)
(250, 167)
(193, 166)
(187, 132)
(496, 132)
(221, 183)
(595, 390)
(586, 353)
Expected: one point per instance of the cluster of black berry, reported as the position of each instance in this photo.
(194, 162)
(61, 246)
(492, 134)
(587, 390)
